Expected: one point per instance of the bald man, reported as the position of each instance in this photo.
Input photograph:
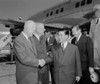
(42, 53)
(27, 62)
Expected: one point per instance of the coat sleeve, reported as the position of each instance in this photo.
(78, 63)
(91, 32)
(90, 51)
(24, 57)
(49, 58)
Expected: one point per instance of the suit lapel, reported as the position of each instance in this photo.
(66, 50)
(27, 43)
(60, 54)
(79, 40)
(33, 45)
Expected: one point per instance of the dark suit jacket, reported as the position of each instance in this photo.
(67, 64)
(42, 54)
(85, 46)
(50, 43)
(26, 61)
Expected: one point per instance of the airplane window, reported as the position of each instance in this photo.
(89, 1)
(62, 9)
(82, 2)
(47, 14)
(77, 4)
(57, 11)
(51, 13)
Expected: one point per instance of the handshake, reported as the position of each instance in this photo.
(42, 62)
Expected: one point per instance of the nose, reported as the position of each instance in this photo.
(44, 29)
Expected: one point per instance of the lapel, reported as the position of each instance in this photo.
(62, 53)
(40, 44)
(43, 44)
(33, 45)
(65, 53)
(80, 39)
(27, 43)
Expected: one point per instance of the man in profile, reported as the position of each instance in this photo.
(40, 45)
(27, 62)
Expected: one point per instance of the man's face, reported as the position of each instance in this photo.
(41, 29)
(75, 31)
(62, 37)
(47, 34)
(97, 14)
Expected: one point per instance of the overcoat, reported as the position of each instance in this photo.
(67, 64)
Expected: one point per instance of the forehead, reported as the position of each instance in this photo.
(98, 11)
(40, 25)
(61, 32)
(74, 28)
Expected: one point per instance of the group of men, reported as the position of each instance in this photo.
(70, 62)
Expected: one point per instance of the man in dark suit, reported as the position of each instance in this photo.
(27, 61)
(67, 65)
(85, 46)
(49, 43)
(40, 45)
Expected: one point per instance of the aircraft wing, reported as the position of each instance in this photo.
(10, 23)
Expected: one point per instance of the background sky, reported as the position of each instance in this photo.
(14, 9)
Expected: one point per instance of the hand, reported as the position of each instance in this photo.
(41, 62)
(91, 70)
(78, 78)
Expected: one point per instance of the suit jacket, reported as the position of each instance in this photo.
(95, 35)
(49, 43)
(26, 61)
(42, 54)
(67, 64)
(85, 46)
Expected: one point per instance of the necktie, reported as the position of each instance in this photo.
(62, 45)
(76, 40)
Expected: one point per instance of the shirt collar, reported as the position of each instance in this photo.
(37, 36)
(25, 35)
(79, 37)
(65, 44)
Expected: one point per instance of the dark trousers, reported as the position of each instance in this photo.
(52, 72)
(85, 78)
(43, 78)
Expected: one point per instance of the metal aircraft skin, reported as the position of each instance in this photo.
(10, 23)
(67, 13)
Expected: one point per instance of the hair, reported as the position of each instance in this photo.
(77, 27)
(67, 31)
(29, 24)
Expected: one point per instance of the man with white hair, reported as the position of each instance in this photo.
(27, 62)
(40, 45)
(95, 35)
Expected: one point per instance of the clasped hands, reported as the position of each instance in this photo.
(42, 62)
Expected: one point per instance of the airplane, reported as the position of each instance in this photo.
(67, 14)
(5, 43)
(64, 14)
